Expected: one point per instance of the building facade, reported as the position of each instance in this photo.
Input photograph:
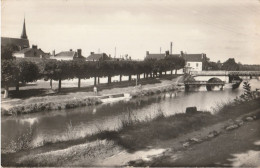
(68, 55)
(193, 62)
(33, 52)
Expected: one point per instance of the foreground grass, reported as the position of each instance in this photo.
(135, 135)
(84, 154)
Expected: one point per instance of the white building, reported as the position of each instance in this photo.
(68, 55)
(193, 62)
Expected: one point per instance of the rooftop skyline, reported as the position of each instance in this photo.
(220, 28)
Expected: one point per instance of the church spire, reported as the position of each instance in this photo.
(23, 35)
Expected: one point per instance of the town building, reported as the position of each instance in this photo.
(193, 62)
(160, 55)
(98, 57)
(17, 43)
(33, 52)
(68, 55)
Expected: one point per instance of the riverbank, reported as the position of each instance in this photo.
(135, 137)
(79, 99)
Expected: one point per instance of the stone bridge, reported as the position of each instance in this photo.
(226, 76)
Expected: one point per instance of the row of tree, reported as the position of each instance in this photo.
(229, 65)
(22, 71)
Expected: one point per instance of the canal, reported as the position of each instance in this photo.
(62, 125)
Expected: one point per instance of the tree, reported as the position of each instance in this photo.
(9, 75)
(57, 70)
(7, 52)
(175, 62)
(27, 72)
(47, 68)
(230, 65)
(63, 71)
(81, 70)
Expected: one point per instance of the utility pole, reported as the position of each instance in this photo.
(115, 51)
(136, 80)
(171, 48)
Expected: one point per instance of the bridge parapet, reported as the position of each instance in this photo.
(244, 73)
(209, 73)
(204, 83)
(225, 73)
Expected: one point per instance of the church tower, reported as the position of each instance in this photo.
(23, 35)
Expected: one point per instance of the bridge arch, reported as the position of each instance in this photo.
(207, 78)
(213, 80)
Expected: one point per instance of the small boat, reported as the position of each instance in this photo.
(115, 98)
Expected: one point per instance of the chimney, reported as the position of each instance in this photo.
(166, 53)
(204, 57)
(91, 53)
(147, 52)
(34, 46)
(171, 49)
(79, 52)
(182, 54)
(53, 52)
(70, 49)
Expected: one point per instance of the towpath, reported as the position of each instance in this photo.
(8, 103)
(237, 148)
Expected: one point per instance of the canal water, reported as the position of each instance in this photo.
(75, 123)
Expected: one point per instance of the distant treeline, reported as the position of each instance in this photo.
(246, 67)
(230, 65)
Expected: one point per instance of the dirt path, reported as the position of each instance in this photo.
(239, 147)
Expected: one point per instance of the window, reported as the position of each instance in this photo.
(188, 64)
(197, 64)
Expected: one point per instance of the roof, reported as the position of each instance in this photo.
(155, 56)
(14, 41)
(96, 56)
(66, 54)
(23, 51)
(31, 52)
(193, 57)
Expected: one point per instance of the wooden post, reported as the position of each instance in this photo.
(79, 83)
(95, 81)
(51, 83)
(59, 89)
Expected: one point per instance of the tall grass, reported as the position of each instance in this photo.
(21, 142)
(80, 155)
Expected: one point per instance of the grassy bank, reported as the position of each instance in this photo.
(50, 105)
(153, 91)
(135, 135)
(84, 154)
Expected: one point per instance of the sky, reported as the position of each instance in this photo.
(220, 28)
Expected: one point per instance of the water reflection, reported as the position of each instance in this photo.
(52, 126)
